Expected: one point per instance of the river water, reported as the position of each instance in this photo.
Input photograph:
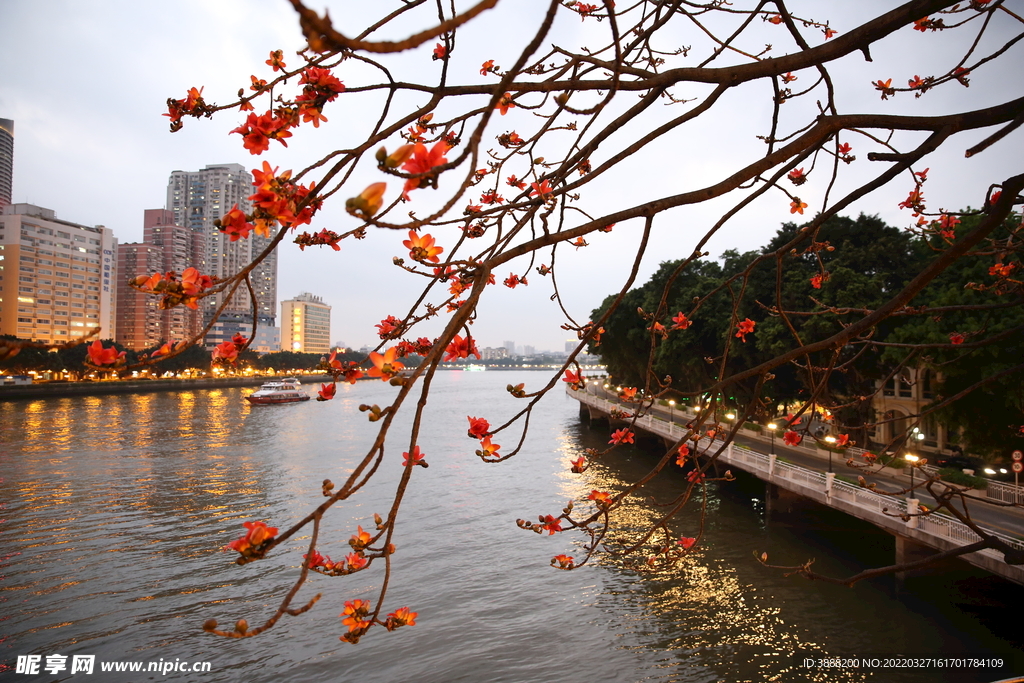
(116, 508)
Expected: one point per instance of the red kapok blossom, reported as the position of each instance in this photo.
(601, 498)
(487, 448)
(550, 524)
(415, 459)
(400, 617)
(681, 321)
(563, 561)
(682, 454)
(687, 542)
(478, 427)
(258, 534)
(622, 436)
(791, 438)
(385, 366)
(486, 67)
(421, 247)
(956, 338)
(578, 465)
(101, 356)
(744, 328)
(461, 348)
(226, 351)
(326, 392)
(797, 206)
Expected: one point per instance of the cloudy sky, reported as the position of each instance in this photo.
(86, 84)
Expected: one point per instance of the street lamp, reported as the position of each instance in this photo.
(671, 407)
(912, 459)
(830, 440)
(771, 428)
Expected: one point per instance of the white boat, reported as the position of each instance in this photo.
(287, 390)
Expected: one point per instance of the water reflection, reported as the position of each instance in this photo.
(117, 507)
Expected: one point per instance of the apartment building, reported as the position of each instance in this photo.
(56, 277)
(306, 323)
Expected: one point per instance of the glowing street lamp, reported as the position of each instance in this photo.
(912, 459)
(830, 440)
(771, 428)
(671, 407)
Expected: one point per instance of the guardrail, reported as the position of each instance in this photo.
(938, 526)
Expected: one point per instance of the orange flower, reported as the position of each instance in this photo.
(816, 281)
(788, 77)
(956, 338)
(843, 440)
(193, 282)
(101, 356)
(421, 247)
(400, 617)
(461, 348)
(355, 562)
(628, 394)
(163, 350)
(681, 321)
(439, 51)
(601, 498)
(415, 459)
(695, 476)
(541, 189)
(686, 542)
(354, 612)
(886, 88)
(326, 392)
(226, 351)
(573, 379)
(487, 448)
(258, 534)
(478, 427)
(421, 163)
(486, 67)
(276, 60)
(505, 103)
(791, 438)
(235, 224)
(385, 366)
(797, 177)
(578, 465)
(622, 436)
(744, 328)
(563, 561)
(359, 540)
(684, 451)
(550, 524)
(797, 206)
(368, 202)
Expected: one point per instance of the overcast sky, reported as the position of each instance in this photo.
(86, 84)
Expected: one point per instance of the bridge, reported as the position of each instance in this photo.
(791, 486)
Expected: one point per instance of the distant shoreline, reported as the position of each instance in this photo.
(74, 389)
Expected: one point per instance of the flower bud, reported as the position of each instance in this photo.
(210, 625)
(399, 156)
(241, 625)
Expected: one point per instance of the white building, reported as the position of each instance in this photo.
(56, 277)
(306, 324)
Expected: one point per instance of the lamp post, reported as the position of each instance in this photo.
(912, 459)
(830, 440)
(671, 407)
(771, 428)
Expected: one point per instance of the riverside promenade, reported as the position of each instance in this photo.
(792, 487)
(136, 386)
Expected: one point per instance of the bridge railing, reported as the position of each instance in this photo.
(938, 525)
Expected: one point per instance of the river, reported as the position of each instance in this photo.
(116, 509)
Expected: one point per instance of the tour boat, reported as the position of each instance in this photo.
(287, 390)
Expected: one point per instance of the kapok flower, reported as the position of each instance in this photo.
(817, 279)
(695, 476)
(622, 436)
(797, 206)
(563, 562)
(789, 77)
(885, 87)
(511, 281)
(276, 60)
(869, 456)
(601, 498)
(686, 542)
(359, 540)
(355, 561)
(628, 394)
(487, 448)
(258, 533)
(956, 338)
(415, 459)
(487, 67)
(845, 148)
(478, 427)
(744, 328)
(400, 617)
(578, 465)
(368, 202)
(236, 224)
(791, 438)
(797, 177)
(354, 611)
(422, 163)
(385, 366)
(541, 189)
(226, 351)
(461, 348)
(681, 321)
(843, 440)
(315, 559)
(505, 103)
(101, 356)
(573, 379)
(683, 453)
(421, 247)
(326, 392)
(1002, 270)
(550, 524)
(439, 51)
(163, 350)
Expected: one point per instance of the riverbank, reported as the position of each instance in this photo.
(136, 386)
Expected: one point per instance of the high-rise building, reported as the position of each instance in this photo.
(510, 346)
(6, 162)
(56, 277)
(165, 247)
(306, 324)
(197, 199)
